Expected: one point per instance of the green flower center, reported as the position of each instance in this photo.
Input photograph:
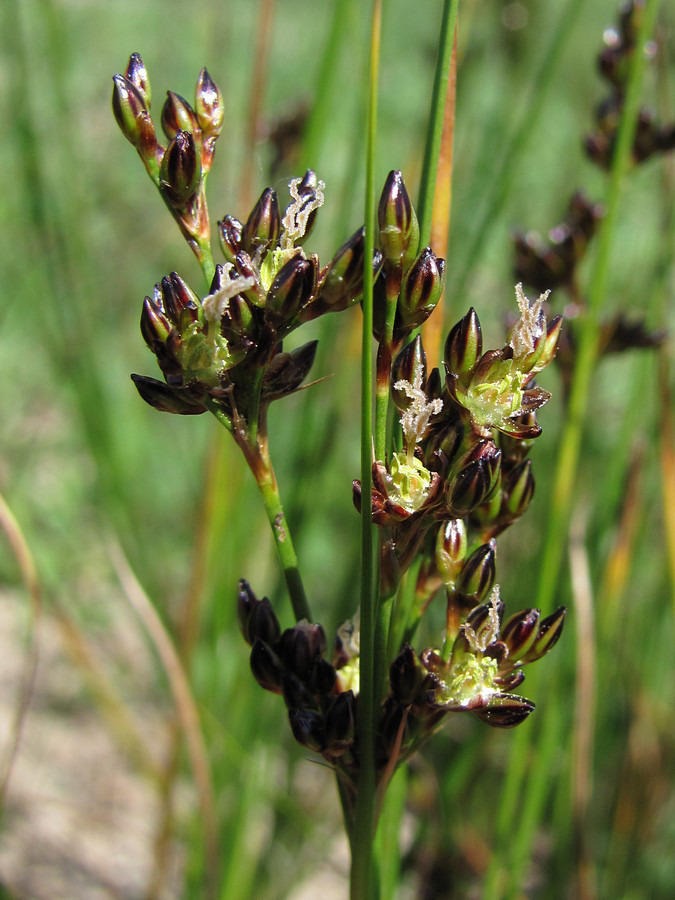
(408, 482)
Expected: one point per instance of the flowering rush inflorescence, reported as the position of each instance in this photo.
(450, 471)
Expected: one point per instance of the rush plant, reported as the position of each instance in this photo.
(449, 470)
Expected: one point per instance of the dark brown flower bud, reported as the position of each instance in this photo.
(257, 618)
(300, 646)
(307, 728)
(155, 326)
(476, 478)
(230, 232)
(138, 76)
(290, 290)
(406, 676)
(547, 637)
(297, 694)
(178, 115)
(287, 371)
(518, 490)
(339, 724)
(464, 345)
(181, 170)
(399, 231)
(263, 226)
(209, 106)
(266, 666)
(451, 546)
(167, 399)
(323, 677)
(478, 573)
(134, 121)
(505, 710)
(520, 632)
(421, 289)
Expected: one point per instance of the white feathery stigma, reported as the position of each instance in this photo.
(531, 325)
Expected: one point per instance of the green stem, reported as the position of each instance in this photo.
(362, 874)
(284, 543)
(207, 263)
(435, 126)
(262, 470)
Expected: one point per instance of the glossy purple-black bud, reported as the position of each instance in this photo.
(300, 646)
(464, 345)
(343, 281)
(138, 76)
(178, 115)
(406, 676)
(209, 106)
(505, 710)
(399, 231)
(266, 666)
(155, 326)
(174, 297)
(160, 396)
(451, 547)
(520, 632)
(297, 694)
(290, 290)
(134, 121)
(518, 490)
(287, 371)
(263, 226)
(323, 677)
(307, 728)
(181, 170)
(478, 573)
(339, 724)
(476, 478)
(230, 231)
(257, 618)
(421, 289)
(548, 635)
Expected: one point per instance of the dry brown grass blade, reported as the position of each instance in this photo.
(186, 707)
(29, 575)
(617, 567)
(111, 706)
(432, 331)
(584, 707)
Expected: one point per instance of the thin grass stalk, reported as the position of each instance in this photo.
(432, 330)
(29, 576)
(110, 705)
(564, 479)
(565, 475)
(425, 207)
(255, 101)
(362, 885)
(584, 707)
(317, 128)
(185, 706)
(499, 187)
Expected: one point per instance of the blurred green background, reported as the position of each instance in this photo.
(102, 800)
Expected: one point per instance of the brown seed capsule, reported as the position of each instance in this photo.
(290, 290)
(178, 115)
(181, 170)
(505, 710)
(166, 399)
(307, 728)
(266, 666)
(138, 76)
(263, 226)
(230, 232)
(520, 632)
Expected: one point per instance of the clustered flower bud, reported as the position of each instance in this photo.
(614, 65)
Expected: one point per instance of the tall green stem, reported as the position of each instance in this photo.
(362, 874)
(432, 148)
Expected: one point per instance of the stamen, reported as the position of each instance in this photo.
(531, 325)
(297, 214)
(214, 305)
(415, 419)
